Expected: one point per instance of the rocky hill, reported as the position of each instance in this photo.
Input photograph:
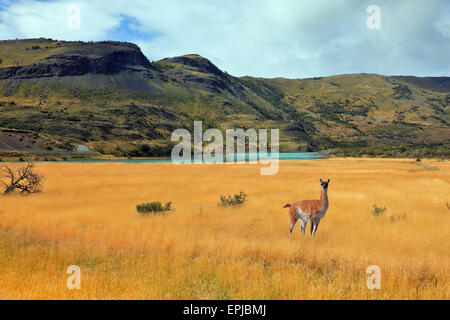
(109, 96)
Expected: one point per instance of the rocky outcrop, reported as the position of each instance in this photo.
(81, 59)
(194, 70)
(198, 63)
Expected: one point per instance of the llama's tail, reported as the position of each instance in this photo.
(287, 206)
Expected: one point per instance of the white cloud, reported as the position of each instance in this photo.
(31, 19)
(443, 25)
(268, 38)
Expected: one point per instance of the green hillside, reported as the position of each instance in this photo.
(109, 96)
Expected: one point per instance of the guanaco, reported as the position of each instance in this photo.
(309, 210)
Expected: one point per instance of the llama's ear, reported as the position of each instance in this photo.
(321, 180)
(328, 181)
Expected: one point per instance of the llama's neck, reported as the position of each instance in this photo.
(324, 198)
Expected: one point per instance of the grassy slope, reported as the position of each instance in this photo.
(21, 53)
(369, 108)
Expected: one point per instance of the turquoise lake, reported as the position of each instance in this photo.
(246, 157)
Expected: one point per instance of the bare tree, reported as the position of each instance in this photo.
(22, 179)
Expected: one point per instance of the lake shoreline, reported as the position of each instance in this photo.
(282, 156)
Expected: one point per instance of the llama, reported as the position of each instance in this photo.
(309, 210)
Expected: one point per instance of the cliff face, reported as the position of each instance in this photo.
(80, 59)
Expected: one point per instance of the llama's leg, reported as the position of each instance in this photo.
(314, 225)
(304, 219)
(293, 225)
(303, 227)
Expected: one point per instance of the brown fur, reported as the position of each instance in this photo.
(310, 207)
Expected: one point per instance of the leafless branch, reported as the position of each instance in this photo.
(23, 179)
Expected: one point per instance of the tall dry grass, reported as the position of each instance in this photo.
(86, 216)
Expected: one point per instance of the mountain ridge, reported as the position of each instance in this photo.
(110, 96)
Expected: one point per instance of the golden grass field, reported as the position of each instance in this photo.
(86, 216)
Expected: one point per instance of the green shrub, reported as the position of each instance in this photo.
(65, 145)
(117, 152)
(400, 217)
(378, 211)
(235, 200)
(145, 150)
(153, 207)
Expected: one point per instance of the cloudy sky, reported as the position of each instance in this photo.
(266, 38)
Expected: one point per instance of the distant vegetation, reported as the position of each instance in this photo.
(233, 201)
(144, 150)
(442, 152)
(378, 211)
(153, 207)
(398, 217)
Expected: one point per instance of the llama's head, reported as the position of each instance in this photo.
(324, 184)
